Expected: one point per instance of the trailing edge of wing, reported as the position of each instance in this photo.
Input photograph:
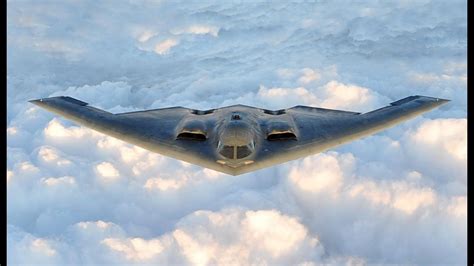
(385, 117)
(401, 110)
(321, 111)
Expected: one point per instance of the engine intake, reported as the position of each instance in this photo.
(192, 130)
(280, 131)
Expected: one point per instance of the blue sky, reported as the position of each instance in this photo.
(77, 196)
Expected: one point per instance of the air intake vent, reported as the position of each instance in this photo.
(277, 112)
(280, 136)
(194, 129)
(200, 112)
(196, 136)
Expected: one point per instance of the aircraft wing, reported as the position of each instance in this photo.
(154, 130)
(319, 129)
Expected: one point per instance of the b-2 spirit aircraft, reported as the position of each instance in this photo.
(238, 139)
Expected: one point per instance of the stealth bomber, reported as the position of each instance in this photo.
(238, 139)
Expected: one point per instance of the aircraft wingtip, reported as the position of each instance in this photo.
(37, 101)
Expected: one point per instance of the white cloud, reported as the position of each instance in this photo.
(164, 184)
(309, 75)
(445, 135)
(230, 236)
(453, 72)
(399, 195)
(128, 153)
(107, 171)
(12, 130)
(245, 237)
(42, 246)
(50, 155)
(331, 95)
(136, 248)
(164, 47)
(342, 96)
(56, 130)
(9, 175)
(146, 35)
(320, 173)
(287, 96)
(432, 78)
(409, 200)
(445, 142)
(52, 181)
(28, 167)
(458, 207)
(99, 224)
(198, 29)
(272, 230)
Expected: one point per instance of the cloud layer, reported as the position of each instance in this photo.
(77, 196)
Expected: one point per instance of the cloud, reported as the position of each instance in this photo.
(50, 155)
(146, 35)
(250, 236)
(56, 130)
(444, 141)
(135, 249)
(9, 175)
(198, 29)
(107, 171)
(65, 180)
(309, 75)
(374, 202)
(165, 46)
(332, 95)
(39, 250)
(323, 174)
(340, 96)
(445, 135)
(400, 196)
(164, 184)
(271, 228)
(76, 196)
(41, 246)
(281, 96)
(12, 131)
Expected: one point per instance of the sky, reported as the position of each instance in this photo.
(75, 196)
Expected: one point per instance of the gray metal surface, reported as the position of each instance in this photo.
(239, 139)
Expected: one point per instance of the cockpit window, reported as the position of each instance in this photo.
(235, 152)
(236, 117)
(227, 151)
(243, 151)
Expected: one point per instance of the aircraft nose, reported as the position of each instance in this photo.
(236, 141)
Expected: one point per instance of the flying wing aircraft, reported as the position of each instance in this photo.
(238, 139)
